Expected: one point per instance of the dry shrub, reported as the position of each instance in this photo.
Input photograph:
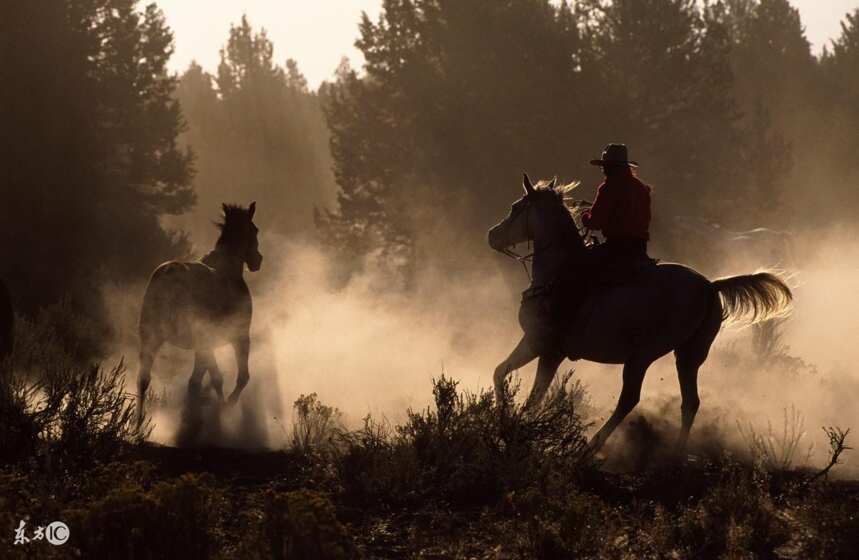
(735, 519)
(96, 417)
(19, 437)
(75, 416)
(172, 520)
(373, 468)
(777, 451)
(57, 337)
(303, 524)
(316, 425)
(830, 518)
(54, 404)
(467, 449)
(569, 524)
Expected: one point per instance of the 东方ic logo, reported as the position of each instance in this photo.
(57, 533)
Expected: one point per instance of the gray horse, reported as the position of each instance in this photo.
(202, 305)
(663, 308)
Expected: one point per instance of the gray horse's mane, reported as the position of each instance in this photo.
(564, 192)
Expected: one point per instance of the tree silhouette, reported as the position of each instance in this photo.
(258, 133)
(89, 160)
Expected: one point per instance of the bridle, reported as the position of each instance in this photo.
(524, 260)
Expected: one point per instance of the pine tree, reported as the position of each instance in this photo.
(666, 91)
(90, 162)
(840, 67)
(258, 131)
(457, 99)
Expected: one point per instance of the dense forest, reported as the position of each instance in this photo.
(105, 153)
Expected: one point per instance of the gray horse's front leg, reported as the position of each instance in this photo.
(242, 348)
(547, 368)
(519, 357)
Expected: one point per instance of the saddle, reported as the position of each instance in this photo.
(547, 311)
(620, 271)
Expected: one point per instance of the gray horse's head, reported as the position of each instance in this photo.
(239, 234)
(527, 215)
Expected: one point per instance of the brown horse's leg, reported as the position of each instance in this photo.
(519, 357)
(242, 348)
(192, 414)
(547, 368)
(217, 378)
(202, 363)
(633, 377)
(148, 349)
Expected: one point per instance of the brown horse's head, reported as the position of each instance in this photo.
(239, 234)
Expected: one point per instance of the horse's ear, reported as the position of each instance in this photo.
(251, 209)
(224, 208)
(553, 183)
(526, 184)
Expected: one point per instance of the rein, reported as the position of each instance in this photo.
(524, 260)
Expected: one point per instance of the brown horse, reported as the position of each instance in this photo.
(202, 305)
(662, 308)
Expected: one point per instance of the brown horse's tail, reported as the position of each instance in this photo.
(758, 297)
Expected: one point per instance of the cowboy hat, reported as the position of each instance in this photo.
(614, 154)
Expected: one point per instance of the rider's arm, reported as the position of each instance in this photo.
(604, 203)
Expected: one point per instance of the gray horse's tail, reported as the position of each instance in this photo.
(758, 296)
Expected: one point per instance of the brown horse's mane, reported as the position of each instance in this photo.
(232, 225)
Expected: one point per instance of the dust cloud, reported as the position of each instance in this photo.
(366, 349)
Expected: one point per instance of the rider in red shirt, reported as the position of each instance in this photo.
(621, 210)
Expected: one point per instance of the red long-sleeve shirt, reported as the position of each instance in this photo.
(621, 208)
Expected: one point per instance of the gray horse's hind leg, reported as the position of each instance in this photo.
(688, 376)
(633, 377)
(547, 368)
(689, 359)
(148, 349)
(519, 357)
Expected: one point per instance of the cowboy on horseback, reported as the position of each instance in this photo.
(621, 211)
(660, 309)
